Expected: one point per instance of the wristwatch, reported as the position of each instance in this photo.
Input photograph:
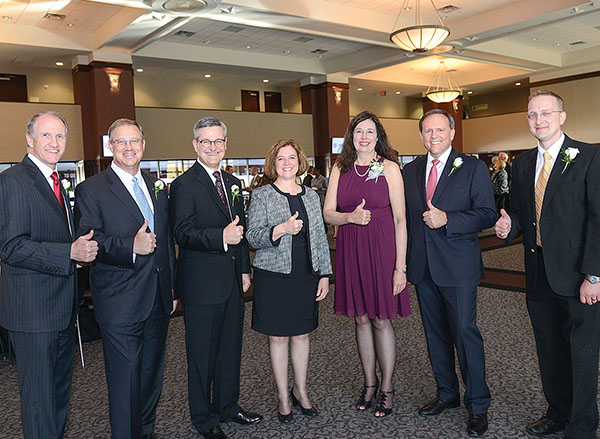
(592, 279)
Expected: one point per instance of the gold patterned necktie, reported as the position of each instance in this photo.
(540, 188)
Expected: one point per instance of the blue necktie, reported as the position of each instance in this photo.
(142, 203)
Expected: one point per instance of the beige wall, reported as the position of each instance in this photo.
(14, 117)
(404, 136)
(497, 133)
(157, 91)
(45, 85)
(169, 131)
(391, 105)
(502, 102)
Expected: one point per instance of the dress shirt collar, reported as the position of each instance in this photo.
(443, 158)
(553, 150)
(126, 177)
(210, 171)
(44, 168)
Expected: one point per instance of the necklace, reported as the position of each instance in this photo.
(368, 167)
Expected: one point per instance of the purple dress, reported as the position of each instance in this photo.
(366, 255)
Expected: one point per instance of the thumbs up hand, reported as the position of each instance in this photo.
(84, 249)
(233, 233)
(503, 225)
(434, 218)
(360, 215)
(293, 225)
(144, 242)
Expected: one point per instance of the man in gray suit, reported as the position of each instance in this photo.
(38, 295)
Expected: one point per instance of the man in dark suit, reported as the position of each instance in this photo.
(554, 204)
(132, 279)
(38, 295)
(213, 272)
(449, 198)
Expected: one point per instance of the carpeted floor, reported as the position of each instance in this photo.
(334, 381)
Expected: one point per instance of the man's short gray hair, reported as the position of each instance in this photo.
(35, 117)
(437, 111)
(123, 121)
(207, 122)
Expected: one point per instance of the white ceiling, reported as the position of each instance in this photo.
(494, 42)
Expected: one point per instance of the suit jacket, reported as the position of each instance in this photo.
(38, 284)
(570, 221)
(451, 252)
(270, 208)
(124, 291)
(205, 271)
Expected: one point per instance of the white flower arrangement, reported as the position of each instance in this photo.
(457, 163)
(159, 185)
(235, 192)
(376, 169)
(568, 156)
(66, 184)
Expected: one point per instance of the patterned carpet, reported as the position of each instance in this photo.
(334, 381)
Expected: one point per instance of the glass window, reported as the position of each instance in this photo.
(150, 166)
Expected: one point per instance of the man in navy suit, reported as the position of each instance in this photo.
(449, 198)
(554, 204)
(132, 279)
(38, 295)
(213, 272)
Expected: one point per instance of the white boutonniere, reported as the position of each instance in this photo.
(159, 185)
(568, 156)
(376, 169)
(457, 163)
(66, 184)
(235, 192)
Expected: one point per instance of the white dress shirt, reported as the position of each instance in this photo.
(440, 166)
(553, 150)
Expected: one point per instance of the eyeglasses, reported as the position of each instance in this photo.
(368, 132)
(545, 114)
(123, 142)
(207, 143)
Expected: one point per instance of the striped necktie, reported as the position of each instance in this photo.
(540, 188)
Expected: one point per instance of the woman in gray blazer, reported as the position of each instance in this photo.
(291, 269)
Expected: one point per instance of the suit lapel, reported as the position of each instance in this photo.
(421, 168)
(153, 196)
(205, 179)
(117, 187)
(445, 177)
(42, 184)
(556, 175)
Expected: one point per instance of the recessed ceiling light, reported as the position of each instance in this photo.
(206, 41)
(248, 46)
(469, 92)
(7, 17)
(398, 92)
(139, 70)
(60, 63)
(208, 75)
(286, 52)
(556, 44)
(517, 83)
(534, 39)
(359, 89)
(70, 24)
(265, 80)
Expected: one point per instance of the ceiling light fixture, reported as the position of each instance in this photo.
(265, 80)
(139, 70)
(359, 89)
(398, 92)
(208, 75)
(443, 89)
(517, 83)
(60, 63)
(469, 92)
(418, 37)
(7, 17)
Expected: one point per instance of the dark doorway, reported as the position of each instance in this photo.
(272, 102)
(250, 100)
(13, 88)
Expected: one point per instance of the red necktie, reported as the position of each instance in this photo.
(57, 192)
(219, 185)
(432, 179)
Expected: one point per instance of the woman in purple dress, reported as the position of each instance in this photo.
(366, 199)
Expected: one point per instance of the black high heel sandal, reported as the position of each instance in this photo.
(381, 401)
(306, 412)
(362, 402)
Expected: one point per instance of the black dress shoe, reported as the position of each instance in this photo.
(545, 427)
(478, 424)
(245, 418)
(285, 419)
(437, 406)
(214, 433)
(306, 412)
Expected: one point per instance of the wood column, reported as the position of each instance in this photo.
(455, 108)
(102, 102)
(330, 109)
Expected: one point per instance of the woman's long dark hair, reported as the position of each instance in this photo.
(383, 147)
